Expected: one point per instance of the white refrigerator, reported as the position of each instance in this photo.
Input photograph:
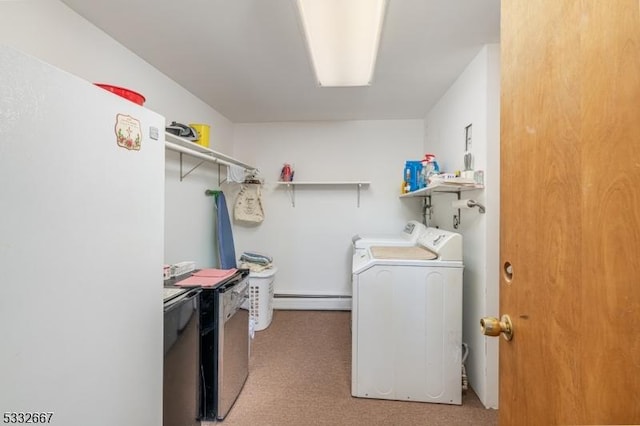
(81, 251)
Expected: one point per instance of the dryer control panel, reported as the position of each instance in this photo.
(446, 244)
(413, 229)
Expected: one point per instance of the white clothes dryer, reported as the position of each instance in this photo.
(408, 237)
(407, 320)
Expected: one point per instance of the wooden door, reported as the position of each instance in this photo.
(570, 213)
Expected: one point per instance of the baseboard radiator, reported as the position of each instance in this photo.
(312, 302)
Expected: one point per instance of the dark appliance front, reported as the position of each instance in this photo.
(181, 403)
(224, 345)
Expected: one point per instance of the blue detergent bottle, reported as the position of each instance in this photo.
(412, 172)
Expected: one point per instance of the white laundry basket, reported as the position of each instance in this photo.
(261, 297)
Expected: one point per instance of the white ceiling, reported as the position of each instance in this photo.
(248, 59)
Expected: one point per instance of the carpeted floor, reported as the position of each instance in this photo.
(300, 374)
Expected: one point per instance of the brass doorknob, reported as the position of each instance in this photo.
(492, 326)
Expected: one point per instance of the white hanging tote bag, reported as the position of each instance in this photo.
(248, 206)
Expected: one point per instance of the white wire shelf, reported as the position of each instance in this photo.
(184, 146)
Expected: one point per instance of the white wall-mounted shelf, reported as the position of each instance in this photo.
(292, 185)
(186, 147)
(442, 188)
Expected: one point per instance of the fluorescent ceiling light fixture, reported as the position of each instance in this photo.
(343, 38)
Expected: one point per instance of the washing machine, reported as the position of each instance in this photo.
(407, 320)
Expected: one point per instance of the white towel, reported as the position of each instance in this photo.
(254, 267)
(235, 173)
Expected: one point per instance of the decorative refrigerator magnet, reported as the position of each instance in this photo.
(128, 132)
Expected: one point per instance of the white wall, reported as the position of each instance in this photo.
(474, 99)
(50, 31)
(311, 242)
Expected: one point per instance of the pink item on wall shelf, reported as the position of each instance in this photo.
(286, 174)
